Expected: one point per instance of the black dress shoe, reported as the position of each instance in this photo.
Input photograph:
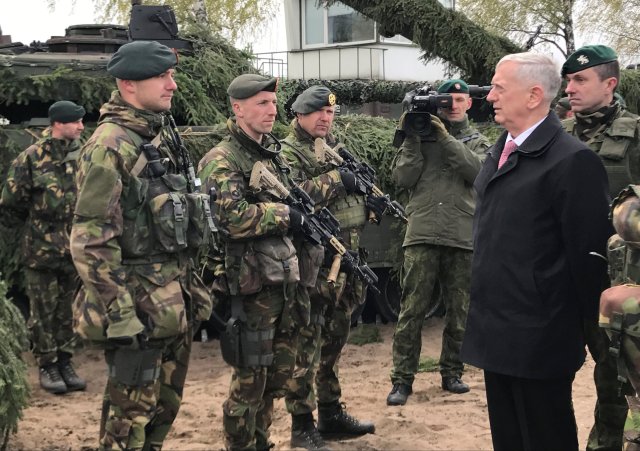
(454, 384)
(399, 394)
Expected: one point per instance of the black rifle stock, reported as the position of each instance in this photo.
(365, 175)
(319, 227)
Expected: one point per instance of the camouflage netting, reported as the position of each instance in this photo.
(14, 390)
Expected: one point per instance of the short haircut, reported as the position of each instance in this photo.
(537, 69)
(608, 70)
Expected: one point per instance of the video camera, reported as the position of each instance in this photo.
(420, 104)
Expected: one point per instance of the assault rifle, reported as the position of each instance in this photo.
(319, 227)
(365, 176)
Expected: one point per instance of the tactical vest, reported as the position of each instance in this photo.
(270, 260)
(613, 146)
(160, 217)
(350, 210)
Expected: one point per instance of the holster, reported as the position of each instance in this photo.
(230, 342)
(135, 368)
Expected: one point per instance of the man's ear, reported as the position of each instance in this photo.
(536, 96)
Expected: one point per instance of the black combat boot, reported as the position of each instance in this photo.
(399, 394)
(51, 380)
(304, 433)
(71, 379)
(454, 384)
(334, 421)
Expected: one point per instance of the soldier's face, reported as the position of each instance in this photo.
(317, 124)
(587, 92)
(256, 115)
(68, 130)
(155, 93)
(461, 103)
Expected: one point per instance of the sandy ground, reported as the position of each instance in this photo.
(431, 420)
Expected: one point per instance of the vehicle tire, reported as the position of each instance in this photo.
(387, 302)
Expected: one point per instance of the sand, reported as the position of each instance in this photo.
(431, 420)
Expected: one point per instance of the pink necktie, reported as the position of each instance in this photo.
(508, 150)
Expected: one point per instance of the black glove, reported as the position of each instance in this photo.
(296, 220)
(376, 204)
(348, 179)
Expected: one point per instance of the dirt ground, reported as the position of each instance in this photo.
(431, 420)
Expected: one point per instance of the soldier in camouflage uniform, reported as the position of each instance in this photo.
(592, 75)
(620, 305)
(138, 221)
(439, 171)
(320, 344)
(40, 192)
(266, 293)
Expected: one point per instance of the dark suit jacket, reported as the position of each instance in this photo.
(533, 281)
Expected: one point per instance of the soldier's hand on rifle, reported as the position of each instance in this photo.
(376, 204)
(438, 128)
(296, 220)
(348, 179)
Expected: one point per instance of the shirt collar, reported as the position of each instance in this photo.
(524, 135)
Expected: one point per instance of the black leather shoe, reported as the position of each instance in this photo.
(454, 384)
(304, 433)
(399, 394)
(71, 379)
(334, 421)
(51, 380)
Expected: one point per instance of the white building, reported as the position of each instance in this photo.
(338, 43)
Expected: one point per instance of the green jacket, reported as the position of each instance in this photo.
(617, 141)
(439, 177)
(40, 191)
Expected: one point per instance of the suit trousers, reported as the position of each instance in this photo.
(530, 414)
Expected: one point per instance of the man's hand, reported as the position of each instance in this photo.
(296, 220)
(438, 128)
(348, 179)
(377, 205)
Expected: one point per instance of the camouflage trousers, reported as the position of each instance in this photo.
(632, 424)
(248, 411)
(423, 265)
(320, 344)
(611, 406)
(50, 324)
(140, 417)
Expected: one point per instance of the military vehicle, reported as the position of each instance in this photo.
(72, 66)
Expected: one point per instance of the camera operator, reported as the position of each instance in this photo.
(437, 166)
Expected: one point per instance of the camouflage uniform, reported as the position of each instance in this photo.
(613, 133)
(623, 298)
(437, 243)
(321, 343)
(40, 191)
(267, 299)
(133, 234)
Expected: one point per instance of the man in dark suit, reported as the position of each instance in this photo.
(541, 221)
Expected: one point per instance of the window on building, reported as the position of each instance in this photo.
(340, 24)
(337, 24)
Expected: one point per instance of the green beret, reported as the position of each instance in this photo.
(564, 103)
(65, 111)
(139, 60)
(455, 86)
(248, 85)
(313, 99)
(588, 56)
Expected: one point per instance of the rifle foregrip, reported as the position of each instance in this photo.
(335, 269)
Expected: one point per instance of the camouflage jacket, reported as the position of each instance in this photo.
(614, 134)
(126, 240)
(439, 176)
(40, 192)
(254, 223)
(322, 181)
